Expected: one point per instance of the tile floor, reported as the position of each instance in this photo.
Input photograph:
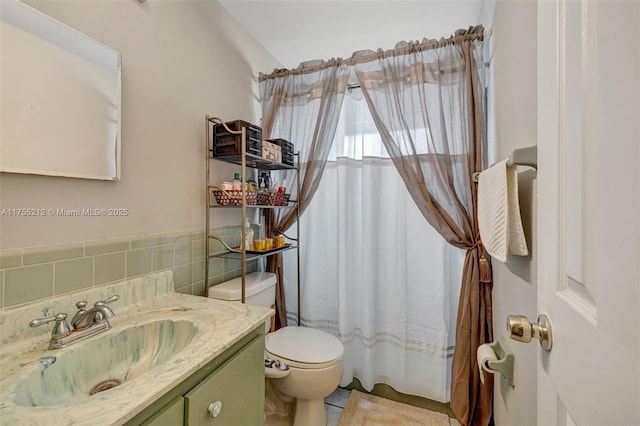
(335, 403)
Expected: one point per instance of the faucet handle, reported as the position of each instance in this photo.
(60, 328)
(81, 305)
(109, 300)
(106, 312)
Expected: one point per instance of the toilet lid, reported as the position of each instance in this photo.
(305, 345)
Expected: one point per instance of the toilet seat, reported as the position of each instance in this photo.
(305, 348)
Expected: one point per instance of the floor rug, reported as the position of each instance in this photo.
(369, 410)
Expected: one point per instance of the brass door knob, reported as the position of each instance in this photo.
(522, 330)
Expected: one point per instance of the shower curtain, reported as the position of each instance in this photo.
(427, 102)
(374, 272)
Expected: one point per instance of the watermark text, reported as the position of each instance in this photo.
(62, 212)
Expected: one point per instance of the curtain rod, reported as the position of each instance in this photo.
(473, 33)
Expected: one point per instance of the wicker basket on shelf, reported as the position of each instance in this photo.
(272, 199)
(233, 197)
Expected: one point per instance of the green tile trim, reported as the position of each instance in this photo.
(163, 239)
(27, 284)
(49, 254)
(73, 275)
(10, 258)
(92, 248)
(183, 237)
(145, 242)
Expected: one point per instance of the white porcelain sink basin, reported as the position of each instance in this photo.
(102, 363)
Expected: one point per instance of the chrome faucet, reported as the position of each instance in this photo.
(98, 314)
(85, 323)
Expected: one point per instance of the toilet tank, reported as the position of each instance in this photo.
(260, 289)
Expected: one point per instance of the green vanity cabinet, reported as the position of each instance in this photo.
(234, 392)
(171, 414)
(231, 385)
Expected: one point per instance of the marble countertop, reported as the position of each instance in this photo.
(218, 324)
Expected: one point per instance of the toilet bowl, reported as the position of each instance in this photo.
(313, 357)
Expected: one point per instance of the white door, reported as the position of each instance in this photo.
(589, 211)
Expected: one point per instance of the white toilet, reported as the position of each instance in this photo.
(314, 357)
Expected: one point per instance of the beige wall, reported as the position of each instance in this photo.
(512, 116)
(181, 60)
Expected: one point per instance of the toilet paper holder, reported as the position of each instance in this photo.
(505, 362)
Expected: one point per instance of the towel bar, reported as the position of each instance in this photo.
(527, 156)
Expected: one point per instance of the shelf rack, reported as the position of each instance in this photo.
(244, 160)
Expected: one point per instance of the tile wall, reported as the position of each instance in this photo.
(37, 273)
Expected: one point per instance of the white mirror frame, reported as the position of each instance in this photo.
(60, 98)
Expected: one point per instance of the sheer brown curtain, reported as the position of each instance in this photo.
(427, 100)
(303, 107)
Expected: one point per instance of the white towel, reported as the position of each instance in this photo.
(499, 218)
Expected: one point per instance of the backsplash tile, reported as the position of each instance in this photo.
(109, 268)
(183, 252)
(139, 261)
(28, 283)
(163, 257)
(198, 249)
(216, 267)
(37, 273)
(73, 275)
(198, 288)
(182, 276)
(197, 271)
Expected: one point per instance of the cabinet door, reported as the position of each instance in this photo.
(172, 414)
(236, 389)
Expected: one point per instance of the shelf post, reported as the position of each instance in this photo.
(243, 247)
(298, 226)
(207, 200)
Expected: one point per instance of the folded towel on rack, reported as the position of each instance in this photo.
(499, 218)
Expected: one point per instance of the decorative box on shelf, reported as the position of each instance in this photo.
(286, 149)
(227, 144)
(271, 151)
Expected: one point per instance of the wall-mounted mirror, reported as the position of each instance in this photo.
(59, 98)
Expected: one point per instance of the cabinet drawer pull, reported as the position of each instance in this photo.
(215, 408)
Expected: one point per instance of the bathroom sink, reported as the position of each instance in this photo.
(102, 363)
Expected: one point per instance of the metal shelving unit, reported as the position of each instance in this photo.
(244, 160)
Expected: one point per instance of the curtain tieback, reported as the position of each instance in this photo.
(484, 263)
